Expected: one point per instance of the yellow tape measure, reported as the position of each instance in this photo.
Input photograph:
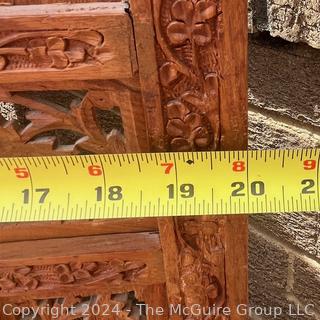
(158, 184)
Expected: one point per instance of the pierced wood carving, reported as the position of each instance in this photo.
(187, 35)
(59, 276)
(98, 306)
(40, 119)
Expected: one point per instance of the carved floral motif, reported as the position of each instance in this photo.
(202, 278)
(51, 49)
(191, 22)
(114, 272)
(185, 126)
(187, 34)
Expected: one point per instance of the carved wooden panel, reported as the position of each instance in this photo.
(64, 275)
(54, 267)
(69, 45)
(71, 122)
(188, 33)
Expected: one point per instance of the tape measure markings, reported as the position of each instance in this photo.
(139, 185)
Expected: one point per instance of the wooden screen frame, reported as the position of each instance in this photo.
(210, 264)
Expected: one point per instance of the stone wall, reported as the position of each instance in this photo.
(293, 20)
(284, 104)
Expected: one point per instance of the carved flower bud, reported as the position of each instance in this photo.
(212, 292)
(28, 283)
(3, 62)
(168, 73)
(23, 270)
(66, 278)
(62, 268)
(6, 284)
(81, 274)
(90, 266)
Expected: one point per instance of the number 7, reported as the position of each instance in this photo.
(45, 192)
(168, 166)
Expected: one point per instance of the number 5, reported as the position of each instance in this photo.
(21, 173)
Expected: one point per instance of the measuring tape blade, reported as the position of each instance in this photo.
(158, 184)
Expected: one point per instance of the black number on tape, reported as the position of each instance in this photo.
(237, 192)
(26, 195)
(257, 188)
(186, 189)
(115, 193)
(309, 184)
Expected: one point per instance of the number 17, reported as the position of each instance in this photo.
(26, 195)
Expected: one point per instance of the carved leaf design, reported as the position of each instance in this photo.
(23, 270)
(2, 62)
(7, 284)
(11, 144)
(177, 127)
(178, 32)
(81, 274)
(180, 144)
(168, 73)
(202, 34)
(56, 43)
(56, 50)
(75, 56)
(189, 75)
(80, 117)
(183, 10)
(176, 110)
(94, 38)
(205, 10)
(27, 283)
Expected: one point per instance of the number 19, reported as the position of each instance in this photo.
(186, 189)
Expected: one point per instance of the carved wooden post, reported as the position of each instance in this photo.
(202, 66)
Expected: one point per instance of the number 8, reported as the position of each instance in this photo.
(115, 193)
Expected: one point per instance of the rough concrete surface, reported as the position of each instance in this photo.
(292, 20)
(285, 78)
(266, 132)
(306, 283)
(267, 272)
(299, 230)
(279, 279)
